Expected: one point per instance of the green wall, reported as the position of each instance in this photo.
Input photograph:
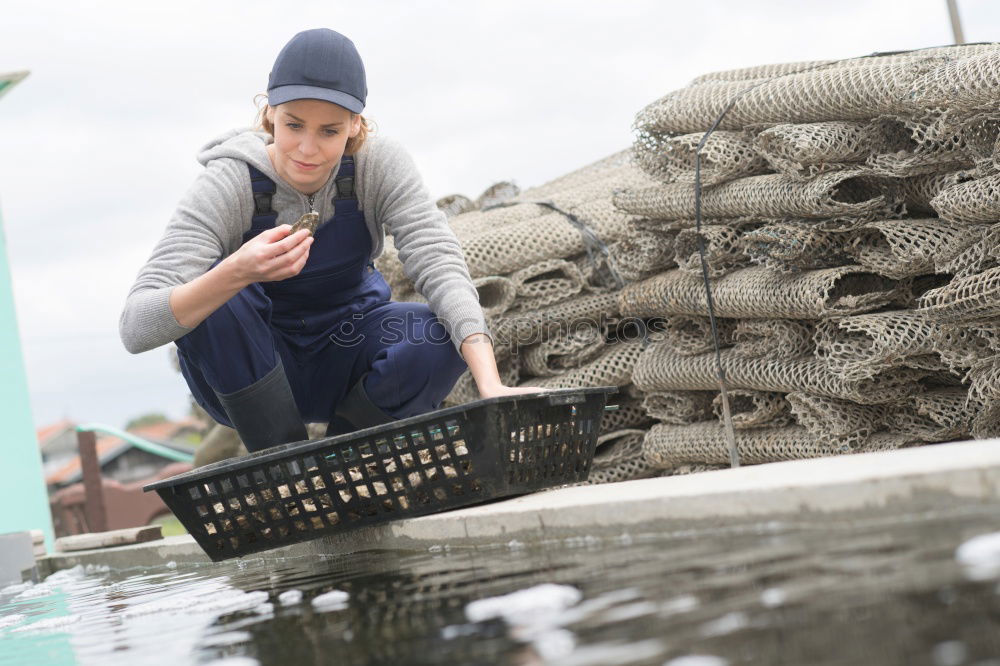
(24, 503)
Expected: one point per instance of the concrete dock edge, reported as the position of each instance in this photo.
(804, 489)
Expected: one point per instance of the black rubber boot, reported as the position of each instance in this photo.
(356, 412)
(265, 413)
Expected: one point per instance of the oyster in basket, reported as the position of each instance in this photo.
(308, 221)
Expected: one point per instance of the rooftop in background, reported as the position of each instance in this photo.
(67, 470)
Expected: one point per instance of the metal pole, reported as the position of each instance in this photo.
(97, 516)
(956, 22)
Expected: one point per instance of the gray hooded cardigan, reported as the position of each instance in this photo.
(212, 216)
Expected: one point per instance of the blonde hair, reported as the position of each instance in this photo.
(353, 144)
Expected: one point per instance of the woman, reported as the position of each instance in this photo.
(276, 328)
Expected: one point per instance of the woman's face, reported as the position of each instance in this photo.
(309, 140)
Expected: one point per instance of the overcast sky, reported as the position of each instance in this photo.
(98, 143)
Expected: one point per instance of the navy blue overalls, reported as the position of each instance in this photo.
(329, 325)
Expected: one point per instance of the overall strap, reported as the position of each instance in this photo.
(263, 189)
(344, 200)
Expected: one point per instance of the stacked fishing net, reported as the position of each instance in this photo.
(849, 234)
(540, 261)
(848, 212)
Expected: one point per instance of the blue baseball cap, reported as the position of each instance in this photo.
(319, 64)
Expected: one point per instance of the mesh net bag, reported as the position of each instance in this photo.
(690, 336)
(940, 143)
(546, 282)
(725, 156)
(984, 381)
(754, 409)
(576, 346)
(906, 248)
(551, 236)
(643, 253)
(793, 246)
(967, 84)
(667, 446)
(660, 369)
(761, 72)
(679, 407)
(723, 250)
(497, 193)
(595, 171)
(837, 423)
(801, 151)
(683, 470)
(534, 326)
(968, 299)
(972, 201)
(833, 93)
(599, 272)
(964, 346)
(935, 416)
(677, 225)
(496, 294)
(865, 345)
(469, 224)
(455, 204)
(982, 253)
(756, 292)
(847, 193)
(597, 186)
(523, 231)
(619, 458)
(613, 367)
(773, 338)
(780, 69)
(984, 386)
(918, 191)
(630, 414)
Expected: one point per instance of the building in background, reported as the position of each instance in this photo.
(22, 493)
(120, 460)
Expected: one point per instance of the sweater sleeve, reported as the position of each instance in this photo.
(431, 254)
(206, 226)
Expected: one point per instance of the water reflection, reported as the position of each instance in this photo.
(883, 591)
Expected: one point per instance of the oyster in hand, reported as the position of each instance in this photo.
(308, 221)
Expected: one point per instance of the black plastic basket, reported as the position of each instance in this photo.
(450, 458)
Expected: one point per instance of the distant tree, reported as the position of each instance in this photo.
(145, 420)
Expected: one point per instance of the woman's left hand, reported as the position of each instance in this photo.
(500, 390)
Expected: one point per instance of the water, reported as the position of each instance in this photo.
(901, 587)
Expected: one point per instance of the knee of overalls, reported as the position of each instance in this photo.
(235, 345)
(417, 365)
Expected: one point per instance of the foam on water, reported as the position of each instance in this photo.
(772, 597)
(11, 620)
(34, 592)
(603, 654)
(290, 597)
(50, 623)
(226, 638)
(726, 624)
(527, 606)
(17, 588)
(980, 556)
(332, 600)
(697, 660)
(949, 653)
(64, 575)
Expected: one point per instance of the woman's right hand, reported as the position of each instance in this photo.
(271, 255)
